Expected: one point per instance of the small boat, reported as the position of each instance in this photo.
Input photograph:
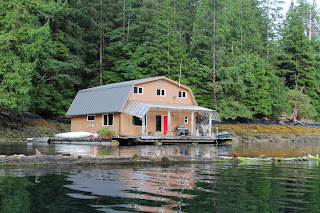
(73, 135)
(222, 135)
(44, 139)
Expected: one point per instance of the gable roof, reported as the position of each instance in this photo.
(104, 99)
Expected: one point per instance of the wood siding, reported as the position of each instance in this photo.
(80, 123)
(172, 91)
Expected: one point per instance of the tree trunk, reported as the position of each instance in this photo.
(241, 28)
(214, 54)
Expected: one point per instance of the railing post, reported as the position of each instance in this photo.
(192, 123)
(143, 125)
(210, 123)
(169, 123)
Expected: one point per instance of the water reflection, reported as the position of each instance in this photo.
(243, 149)
(249, 187)
(190, 150)
(272, 149)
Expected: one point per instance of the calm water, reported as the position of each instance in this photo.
(271, 149)
(245, 187)
(216, 187)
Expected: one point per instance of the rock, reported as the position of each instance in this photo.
(176, 151)
(235, 156)
(162, 151)
(263, 156)
(135, 158)
(165, 159)
(38, 152)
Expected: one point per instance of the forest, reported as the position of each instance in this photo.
(244, 58)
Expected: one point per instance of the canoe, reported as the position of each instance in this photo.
(73, 135)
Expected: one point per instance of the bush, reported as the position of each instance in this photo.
(105, 131)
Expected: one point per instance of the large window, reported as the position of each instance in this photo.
(138, 90)
(91, 117)
(161, 92)
(138, 121)
(182, 94)
(107, 119)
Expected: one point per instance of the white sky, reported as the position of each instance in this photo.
(288, 2)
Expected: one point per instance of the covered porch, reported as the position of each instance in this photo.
(171, 117)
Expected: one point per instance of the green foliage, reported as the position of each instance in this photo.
(105, 131)
(301, 101)
(231, 53)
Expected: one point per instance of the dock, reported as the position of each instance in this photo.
(82, 140)
(144, 140)
(140, 140)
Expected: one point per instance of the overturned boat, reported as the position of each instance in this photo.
(73, 135)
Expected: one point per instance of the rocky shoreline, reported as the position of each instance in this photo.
(19, 127)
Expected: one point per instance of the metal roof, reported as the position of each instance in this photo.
(102, 99)
(139, 109)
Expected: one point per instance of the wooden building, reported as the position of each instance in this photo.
(151, 106)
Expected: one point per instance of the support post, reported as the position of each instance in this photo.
(192, 123)
(169, 123)
(210, 123)
(143, 119)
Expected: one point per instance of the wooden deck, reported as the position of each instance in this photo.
(170, 139)
(87, 140)
(140, 140)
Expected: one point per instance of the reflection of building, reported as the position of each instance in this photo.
(203, 150)
(153, 184)
(159, 184)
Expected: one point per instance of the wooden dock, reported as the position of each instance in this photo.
(83, 140)
(140, 140)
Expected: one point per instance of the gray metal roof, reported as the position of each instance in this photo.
(102, 99)
(140, 108)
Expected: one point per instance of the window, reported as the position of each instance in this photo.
(161, 92)
(186, 119)
(182, 94)
(138, 121)
(91, 117)
(158, 81)
(107, 120)
(138, 90)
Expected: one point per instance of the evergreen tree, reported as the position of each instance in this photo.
(302, 54)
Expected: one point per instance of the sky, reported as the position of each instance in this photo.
(288, 2)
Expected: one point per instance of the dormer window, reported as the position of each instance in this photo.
(161, 92)
(138, 90)
(182, 94)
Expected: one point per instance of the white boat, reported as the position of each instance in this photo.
(44, 139)
(73, 135)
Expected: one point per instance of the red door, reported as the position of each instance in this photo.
(165, 124)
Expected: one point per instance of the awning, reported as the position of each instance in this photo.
(139, 109)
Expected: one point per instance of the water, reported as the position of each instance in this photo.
(243, 149)
(215, 187)
(244, 187)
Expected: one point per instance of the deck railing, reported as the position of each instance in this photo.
(165, 133)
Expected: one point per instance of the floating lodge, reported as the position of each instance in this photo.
(154, 109)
